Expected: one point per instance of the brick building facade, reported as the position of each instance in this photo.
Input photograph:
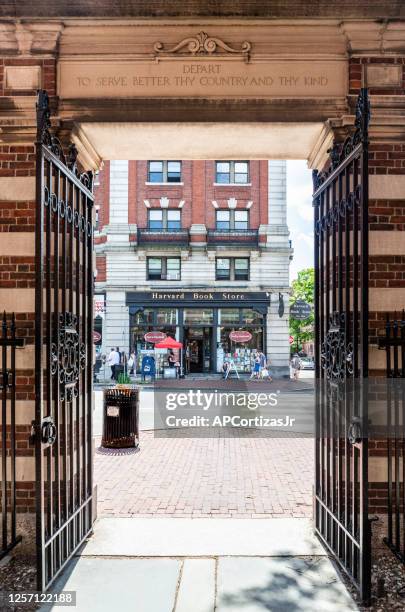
(196, 249)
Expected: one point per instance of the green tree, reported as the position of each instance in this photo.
(303, 289)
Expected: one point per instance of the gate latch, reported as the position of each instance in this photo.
(354, 431)
(48, 431)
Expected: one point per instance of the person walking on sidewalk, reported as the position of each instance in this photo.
(256, 368)
(113, 360)
(295, 365)
(264, 367)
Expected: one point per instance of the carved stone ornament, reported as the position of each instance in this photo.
(202, 44)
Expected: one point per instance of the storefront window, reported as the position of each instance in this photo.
(198, 316)
(166, 316)
(144, 317)
(251, 317)
(141, 347)
(241, 354)
(229, 316)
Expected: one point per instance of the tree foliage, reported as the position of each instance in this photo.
(303, 289)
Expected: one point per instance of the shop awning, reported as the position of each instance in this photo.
(169, 343)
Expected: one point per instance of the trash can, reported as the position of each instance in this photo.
(121, 418)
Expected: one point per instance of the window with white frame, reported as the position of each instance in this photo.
(234, 219)
(164, 171)
(167, 219)
(232, 172)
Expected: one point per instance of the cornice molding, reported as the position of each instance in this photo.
(87, 154)
(25, 39)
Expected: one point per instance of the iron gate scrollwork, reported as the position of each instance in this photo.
(341, 351)
(336, 356)
(62, 429)
(68, 356)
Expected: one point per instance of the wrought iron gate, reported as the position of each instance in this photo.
(393, 342)
(62, 429)
(8, 344)
(341, 314)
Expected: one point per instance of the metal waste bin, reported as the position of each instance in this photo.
(121, 418)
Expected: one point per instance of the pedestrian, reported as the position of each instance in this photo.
(171, 359)
(226, 366)
(131, 363)
(264, 367)
(295, 365)
(263, 362)
(113, 360)
(256, 368)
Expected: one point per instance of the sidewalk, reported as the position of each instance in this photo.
(215, 565)
(203, 381)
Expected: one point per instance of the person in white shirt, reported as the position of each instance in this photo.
(113, 360)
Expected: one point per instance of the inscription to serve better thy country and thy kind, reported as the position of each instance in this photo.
(201, 78)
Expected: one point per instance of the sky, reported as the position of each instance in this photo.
(300, 215)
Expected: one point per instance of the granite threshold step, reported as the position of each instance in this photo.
(202, 537)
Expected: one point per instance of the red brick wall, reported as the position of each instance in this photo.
(102, 195)
(386, 158)
(197, 190)
(387, 271)
(17, 160)
(17, 216)
(101, 266)
(132, 204)
(48, 76)
(25, 496)
(201, 203)
(356, 67)
(17, 272)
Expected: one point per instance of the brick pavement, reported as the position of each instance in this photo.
(237, 477)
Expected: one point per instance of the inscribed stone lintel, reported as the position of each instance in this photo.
(202, 77)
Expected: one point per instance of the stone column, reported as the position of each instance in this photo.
(21, 74)
(385, 77)
(275, 238)
(17, 295)
(278, 348)
(116, 321)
